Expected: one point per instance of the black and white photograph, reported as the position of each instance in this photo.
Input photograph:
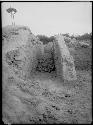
(46, 62)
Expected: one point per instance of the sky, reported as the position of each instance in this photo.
(50, 18)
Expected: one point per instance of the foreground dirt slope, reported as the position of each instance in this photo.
(47, 100)
(44, 98)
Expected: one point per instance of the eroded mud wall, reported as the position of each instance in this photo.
(63, 60)
(20, 51)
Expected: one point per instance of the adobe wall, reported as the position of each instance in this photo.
(20, 51)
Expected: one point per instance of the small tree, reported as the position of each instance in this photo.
(12, 11)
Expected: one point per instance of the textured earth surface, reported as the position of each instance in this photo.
(45, 99)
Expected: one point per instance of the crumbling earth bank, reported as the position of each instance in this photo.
(20, 51)
(40, 99)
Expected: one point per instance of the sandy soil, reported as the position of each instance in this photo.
(46, 99)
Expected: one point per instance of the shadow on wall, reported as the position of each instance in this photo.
(47, 62)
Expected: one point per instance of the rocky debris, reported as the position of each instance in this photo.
(63, 60)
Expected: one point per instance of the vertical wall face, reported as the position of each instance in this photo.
(20, 50)
(58, 60)
(63, 60)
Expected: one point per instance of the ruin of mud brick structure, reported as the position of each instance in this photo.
(24, 54)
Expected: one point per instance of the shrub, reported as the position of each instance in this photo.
(85, 36)
(82, 58)
(45, 39)
(11, 59)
